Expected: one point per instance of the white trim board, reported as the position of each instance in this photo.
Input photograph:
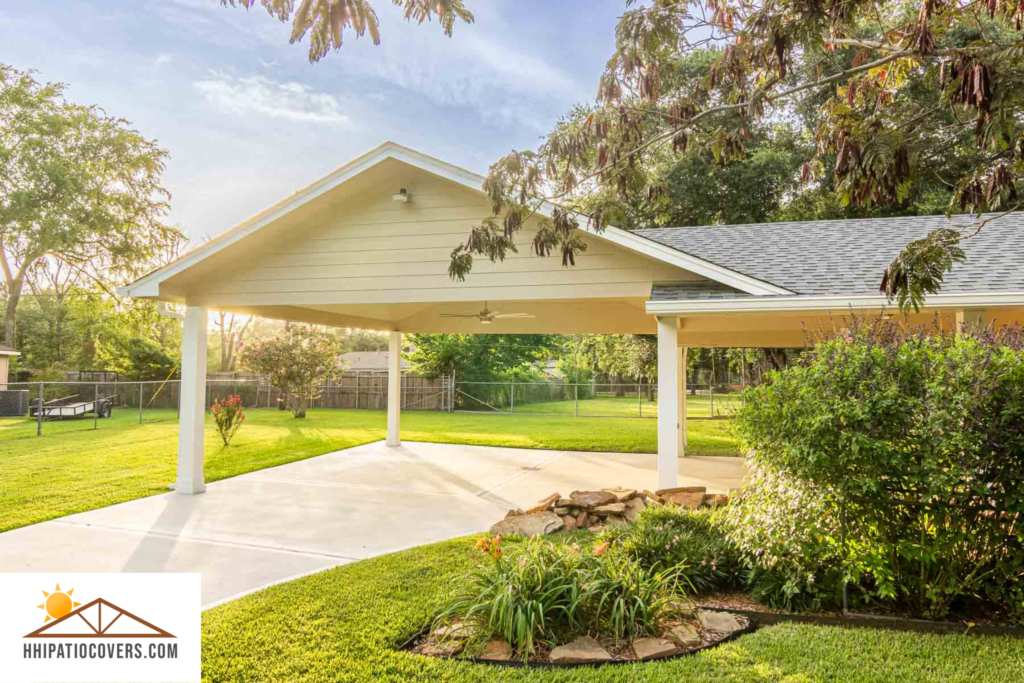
(826, 303)
(149, 285)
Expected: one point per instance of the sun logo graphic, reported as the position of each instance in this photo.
(58, 603)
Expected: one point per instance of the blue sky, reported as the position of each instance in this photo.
(248, 119)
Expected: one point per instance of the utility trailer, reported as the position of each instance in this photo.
(58, 409)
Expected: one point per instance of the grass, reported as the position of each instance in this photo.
(346, 623)
(73, 468)
(611, 406)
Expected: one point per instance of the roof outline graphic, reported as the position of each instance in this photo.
(99, 631)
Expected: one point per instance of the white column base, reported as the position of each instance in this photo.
(193, 403)
(668, 403)
(394, 389)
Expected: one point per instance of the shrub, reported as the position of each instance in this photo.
(296, 363)
(691, 540)
(913, 441)
(229, 415)
(540, 592)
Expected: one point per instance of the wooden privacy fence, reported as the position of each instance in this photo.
(361, 390)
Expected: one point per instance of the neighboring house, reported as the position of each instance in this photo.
(6, 353)
(368, 246)
(369, 361)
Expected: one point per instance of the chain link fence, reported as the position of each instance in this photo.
(590, 399)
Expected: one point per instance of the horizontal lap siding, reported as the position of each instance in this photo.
(383, 250)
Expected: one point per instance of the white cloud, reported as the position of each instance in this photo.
(164, 59)
(282, 100)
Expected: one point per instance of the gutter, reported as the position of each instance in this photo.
(765, 304)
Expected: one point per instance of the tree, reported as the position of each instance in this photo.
(476, 357)
(327, 20)
(296, 363)
(897, 86)
(75, 185)
(232, 334)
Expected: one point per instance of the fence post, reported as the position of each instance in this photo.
(357, 390)
(711, 394)
(512, 398)
(39, 412)
(141, 387)
(96, 406)
(576, 388)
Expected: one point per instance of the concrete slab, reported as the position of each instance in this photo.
(268, 526)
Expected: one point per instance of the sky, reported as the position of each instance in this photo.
(248, 120)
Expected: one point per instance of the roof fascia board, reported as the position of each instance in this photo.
(826, 303)
(149, 285)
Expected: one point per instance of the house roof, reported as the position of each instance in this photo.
(149, 285)
(365, 361)
(843, 257)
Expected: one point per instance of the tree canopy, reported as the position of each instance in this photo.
(891, 95)
(327, 20)
(78, 188)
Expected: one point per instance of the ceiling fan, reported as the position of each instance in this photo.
(486, 317)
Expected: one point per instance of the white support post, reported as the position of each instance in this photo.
(394, 389)
(682, 400)
(193, 402)
(668, 403)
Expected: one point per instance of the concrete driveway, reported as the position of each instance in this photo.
(273, 525)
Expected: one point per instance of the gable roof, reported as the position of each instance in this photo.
(149, 285)
(845, 257)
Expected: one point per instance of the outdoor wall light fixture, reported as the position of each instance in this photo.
(401, 196)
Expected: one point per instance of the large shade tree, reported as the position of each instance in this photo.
(897, 85)
(326, 21)
(77, 187)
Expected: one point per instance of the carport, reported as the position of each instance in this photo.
(368, 246)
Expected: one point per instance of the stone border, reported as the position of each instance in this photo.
(752, 626)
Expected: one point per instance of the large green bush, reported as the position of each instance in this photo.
(894, 458)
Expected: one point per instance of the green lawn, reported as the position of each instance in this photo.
(345, 625)
(73, 468)
(611, 406)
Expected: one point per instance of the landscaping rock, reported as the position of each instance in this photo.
(588, 500)
(454, 631)
(582, 520)
(652, 497)
(610, 509)
(691, 497)
(714, 500)
(565, 502)
(615, 520)
(583, 650)
(683, 635)
(597, 528)
(570, 522)
(653, 648)
(719, 622)
(544, 505)
(634, 508)
(496, 649)
(537, 524)
(514, 513)
(560, 511)
(622, 494)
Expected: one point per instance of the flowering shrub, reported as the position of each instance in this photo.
(892, 458)
(297, 362)
(229, 415)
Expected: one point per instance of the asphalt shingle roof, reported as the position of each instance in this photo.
(700, 290)
(845, 256)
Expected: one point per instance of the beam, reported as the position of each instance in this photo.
(668, 402)
(394, 389)
(193, 403)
